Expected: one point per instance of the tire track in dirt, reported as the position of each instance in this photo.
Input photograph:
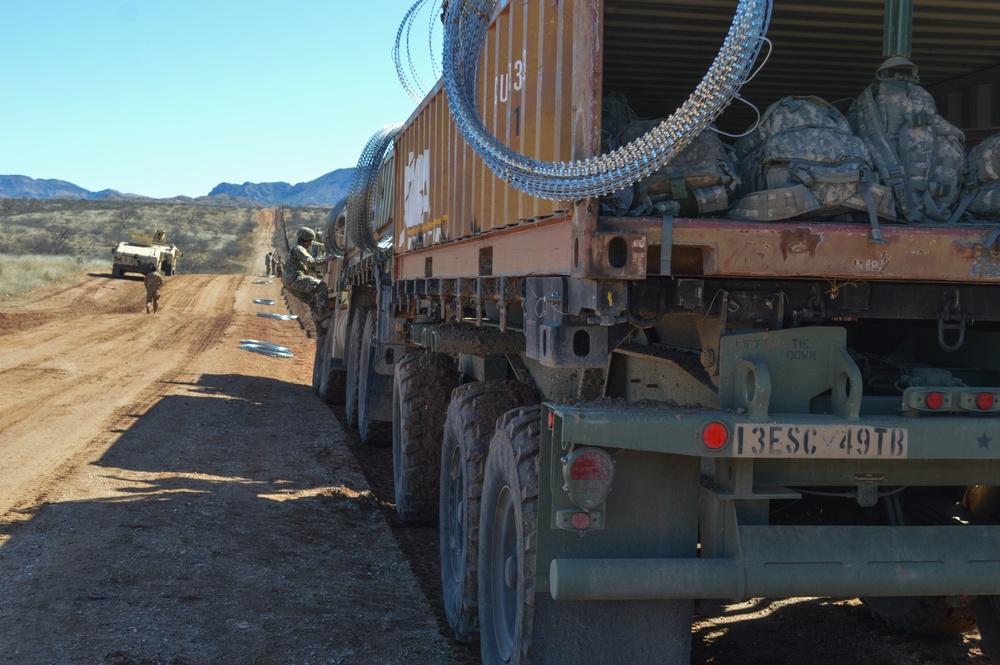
(129, 357)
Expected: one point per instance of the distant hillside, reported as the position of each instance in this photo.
(23, 187)
(325, 190)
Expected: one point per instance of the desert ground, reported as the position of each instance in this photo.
(167, 497)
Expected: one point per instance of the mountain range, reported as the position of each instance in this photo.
(325, 190)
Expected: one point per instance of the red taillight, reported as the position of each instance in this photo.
(984, 401)
(715, 436)
(934, 401)
(591, 466)
(588, 473)
(552, 419)
(580, 521)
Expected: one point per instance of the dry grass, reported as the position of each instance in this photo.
(20, 274)
(43, 241)
(214, 239)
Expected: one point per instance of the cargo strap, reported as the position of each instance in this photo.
(666, 243)
(963, 204)
(876, 237)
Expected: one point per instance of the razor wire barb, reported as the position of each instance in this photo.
(466, 26)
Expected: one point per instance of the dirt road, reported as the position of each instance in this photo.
(168, 498)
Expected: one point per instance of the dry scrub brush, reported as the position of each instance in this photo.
(20, 274)
(213, 239)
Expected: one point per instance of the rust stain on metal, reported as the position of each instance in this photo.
(799, 241)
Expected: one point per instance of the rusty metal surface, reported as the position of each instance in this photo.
(526, 83)
(541, 248)
(834, 251)
(540, 95)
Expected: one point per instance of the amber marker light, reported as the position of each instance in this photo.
(715, 436)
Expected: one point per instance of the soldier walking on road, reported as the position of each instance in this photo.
(268, 264)
(153, 281)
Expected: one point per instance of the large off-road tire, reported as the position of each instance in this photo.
(652, 512)
(333, 386)
(329, 378)
(354, 345)
(370, 389)
(421, 390)
(987, 612)
(471, 423)
(984, 502)
(508, 523)
(921, 615)
(924, 615)
(320, 358)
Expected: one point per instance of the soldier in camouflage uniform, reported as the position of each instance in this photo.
(299, 275)
(153, 282)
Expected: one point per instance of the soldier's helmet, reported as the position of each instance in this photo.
(306, 234)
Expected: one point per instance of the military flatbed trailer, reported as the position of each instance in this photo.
(610, 416)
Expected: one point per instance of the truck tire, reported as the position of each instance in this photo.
(987, 611)
(985, 504)
(920, 615)
(373, 390)
(354, 346)
(508, 523)
(471, 423)
(333, 386)
(328, 377)
(924, 615)
(519, 626)
(320, 357)
(421, 390)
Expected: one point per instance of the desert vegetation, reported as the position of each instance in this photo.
(19, 274)
(49, 239)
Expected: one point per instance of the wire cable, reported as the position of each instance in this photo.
(465, 30)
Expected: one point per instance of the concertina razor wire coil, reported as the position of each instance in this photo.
(364, 189)
(466, 26)
(335, 245)
(412, 82)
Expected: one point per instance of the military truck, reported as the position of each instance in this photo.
(612, 415)
(143, 253)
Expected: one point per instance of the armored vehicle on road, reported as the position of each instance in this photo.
(143, 253)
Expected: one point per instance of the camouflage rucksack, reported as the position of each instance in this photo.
(698, 182)
(982, 180)
(802, 157)
(919, 154)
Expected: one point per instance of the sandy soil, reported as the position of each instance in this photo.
(168, 498)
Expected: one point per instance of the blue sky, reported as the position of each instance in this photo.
(172, 97)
